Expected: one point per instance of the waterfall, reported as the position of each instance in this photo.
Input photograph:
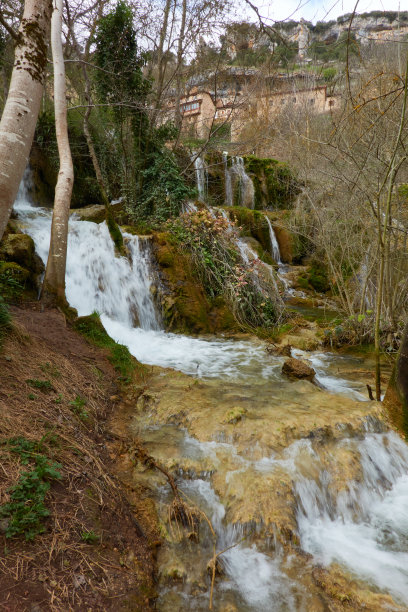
(349, 495)
(228, 184)
(274, 243)
(236, 178)
(201, 177)
(97, 280)
(247, 192)
(363, 526)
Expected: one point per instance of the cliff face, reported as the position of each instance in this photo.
(376, 25)
(381, 26)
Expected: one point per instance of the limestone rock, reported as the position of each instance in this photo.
(295, 368)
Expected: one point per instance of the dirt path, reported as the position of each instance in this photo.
(97, 548)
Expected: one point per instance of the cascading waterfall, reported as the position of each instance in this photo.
(363, 526)
(201, 177)
(274, 243)
(228, 183)
(236, 179)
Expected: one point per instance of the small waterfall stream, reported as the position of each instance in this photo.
(274, 243)
(237, 180)
(201, 177)
(358, 519)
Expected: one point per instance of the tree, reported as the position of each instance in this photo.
(54, 281)
(22, 106)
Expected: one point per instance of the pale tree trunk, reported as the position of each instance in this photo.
(23, 102)
(54, 281)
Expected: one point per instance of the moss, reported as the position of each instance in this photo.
(253, 224)
(216, 178)
(185, 306)
(314, 278)
(259, 196)
(114, 230)
(18, 248)
(13, 279)
(275, 183)
(235, 415)
(318, 278)
(123, 362)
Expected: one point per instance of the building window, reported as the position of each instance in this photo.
(190, 106)
(311, 100)
(294, 100)
(283, 101)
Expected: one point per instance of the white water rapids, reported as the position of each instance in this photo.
(364, 527)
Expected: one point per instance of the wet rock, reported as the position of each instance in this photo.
(174, 571)
(295, 368)
(235, 415)
(95, 213)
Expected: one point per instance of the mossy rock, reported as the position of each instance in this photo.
(285, 241)
(275, 183)
(253, 224)
(314, 278)
(235, 415)
(185, 307)
(18, 248)
(14, 270)
(396, 397)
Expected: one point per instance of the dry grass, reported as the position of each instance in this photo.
(59, 569)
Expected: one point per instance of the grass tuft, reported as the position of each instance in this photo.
(92, 328)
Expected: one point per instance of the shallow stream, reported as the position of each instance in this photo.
(293, 477)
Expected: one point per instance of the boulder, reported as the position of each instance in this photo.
(295, 368)
(97, 214)
(18, 248)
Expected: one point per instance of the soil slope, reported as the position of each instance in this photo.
(97, 548)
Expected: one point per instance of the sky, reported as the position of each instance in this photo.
(322, 10)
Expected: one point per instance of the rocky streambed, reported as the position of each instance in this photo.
(295, 482)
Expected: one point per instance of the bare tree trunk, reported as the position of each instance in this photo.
(54, 281)
(160, 55)
(23, 102)
(178, 119)
(383, 235)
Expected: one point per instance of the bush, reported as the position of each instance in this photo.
(211, 242)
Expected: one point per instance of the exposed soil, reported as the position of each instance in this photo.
(98, 548)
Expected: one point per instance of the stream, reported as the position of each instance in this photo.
(301, 477)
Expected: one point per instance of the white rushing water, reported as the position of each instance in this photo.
(257, 577)
(119, 288)
(356, 519)
(364, 527)
(236, 175)
(201, 177)
(274, 243)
